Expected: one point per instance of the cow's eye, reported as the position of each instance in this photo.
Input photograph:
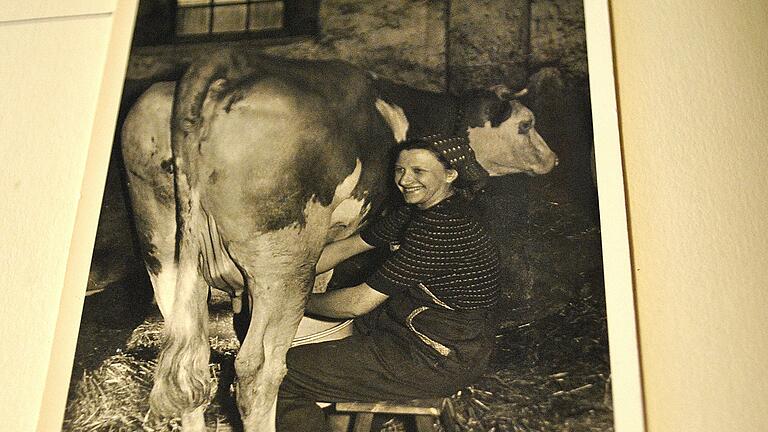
(525, 127)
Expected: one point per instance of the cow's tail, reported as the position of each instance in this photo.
(182, 381)
(204, 80)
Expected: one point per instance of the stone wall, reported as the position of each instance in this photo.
(558, 38)
(400, 39)
(488, 43)
(509, 41)
(431, 44)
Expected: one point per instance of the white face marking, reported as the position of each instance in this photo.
(395, 118)
(493, 148)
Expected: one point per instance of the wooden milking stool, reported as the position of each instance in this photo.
(425, 412)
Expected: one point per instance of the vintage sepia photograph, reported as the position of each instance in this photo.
(349, 215)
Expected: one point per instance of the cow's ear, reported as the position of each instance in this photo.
(501, 91)
(482, 106)
(520, 93)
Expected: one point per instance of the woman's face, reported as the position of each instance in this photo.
(422, 179)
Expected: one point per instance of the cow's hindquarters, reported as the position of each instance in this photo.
(146, 149)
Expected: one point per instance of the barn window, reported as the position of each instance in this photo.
(203, 17)
(161, 22)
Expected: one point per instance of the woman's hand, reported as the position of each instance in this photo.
(338, 251)
(346, 302)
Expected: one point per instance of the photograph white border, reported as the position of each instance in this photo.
(625, 366)
(54, 399)
(628, 413)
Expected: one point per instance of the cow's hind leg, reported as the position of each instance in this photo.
(182, 379)
(277, 300)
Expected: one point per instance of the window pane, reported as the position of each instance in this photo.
(229, 1)
(229, 18)
(183, 3)
(266, 15)
(192, 21)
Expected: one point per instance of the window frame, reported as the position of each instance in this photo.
(291, 25)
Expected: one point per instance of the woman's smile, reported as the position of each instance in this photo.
(412, 194)
(411, 189)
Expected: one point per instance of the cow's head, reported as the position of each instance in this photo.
(502, 133)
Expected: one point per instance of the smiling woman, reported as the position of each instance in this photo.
(424, 326)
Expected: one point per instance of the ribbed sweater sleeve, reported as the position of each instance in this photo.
(389, 229)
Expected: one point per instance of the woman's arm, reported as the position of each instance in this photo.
(346, 302)
(338, 251)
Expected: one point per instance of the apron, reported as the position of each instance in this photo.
(410, 331)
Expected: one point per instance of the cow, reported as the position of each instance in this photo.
(243, 170)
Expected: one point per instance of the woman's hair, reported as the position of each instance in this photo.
(463, 186)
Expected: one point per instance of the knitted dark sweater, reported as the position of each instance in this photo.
(440, 251)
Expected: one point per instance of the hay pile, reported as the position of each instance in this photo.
(504, 402)
(112, 398)
(115, 396)
(551, 375)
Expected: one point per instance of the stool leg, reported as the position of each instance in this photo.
(363, 422)
(425, 423)
(339, 422)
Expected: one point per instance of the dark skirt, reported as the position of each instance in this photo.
(384, 360)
